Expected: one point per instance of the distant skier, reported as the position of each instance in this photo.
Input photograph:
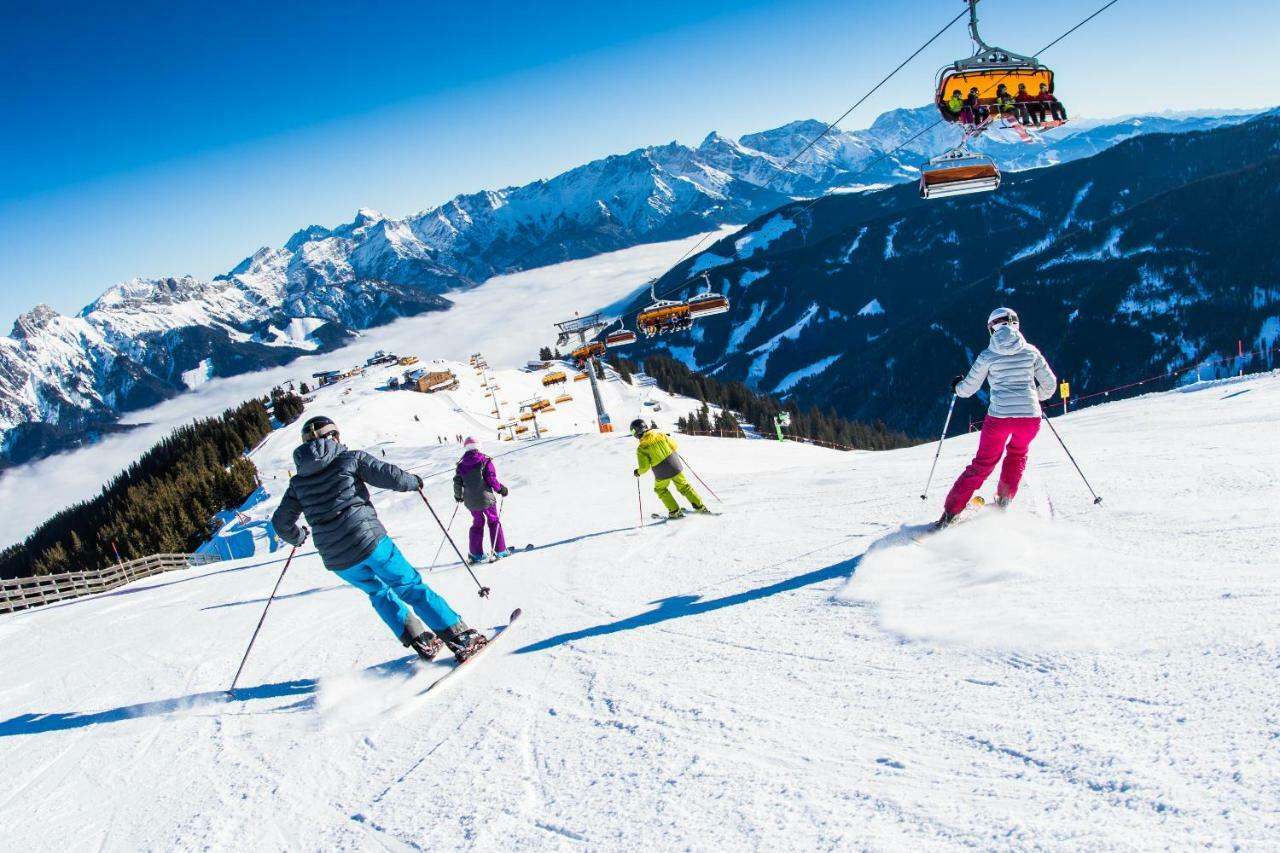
(657, 452)
(1020, 380)
(475, 484)
(331, 491)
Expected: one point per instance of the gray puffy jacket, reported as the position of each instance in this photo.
(1020, 378)
(330, 490)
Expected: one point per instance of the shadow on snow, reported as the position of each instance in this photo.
(680, 606)
(304, 688)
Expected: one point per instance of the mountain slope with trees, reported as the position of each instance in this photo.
(1147, 258)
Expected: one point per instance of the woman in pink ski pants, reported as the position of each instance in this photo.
(1020, 380)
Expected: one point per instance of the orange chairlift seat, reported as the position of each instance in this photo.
(591, 350)
(663, 316)
(554, 378)
(986, 70)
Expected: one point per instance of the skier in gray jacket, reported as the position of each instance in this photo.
(331, 491)
(1020, 381)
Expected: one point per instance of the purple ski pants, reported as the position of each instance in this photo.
(480, 517)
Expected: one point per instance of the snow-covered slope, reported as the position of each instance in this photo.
(799, 673)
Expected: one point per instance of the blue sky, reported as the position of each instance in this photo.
(151, 139)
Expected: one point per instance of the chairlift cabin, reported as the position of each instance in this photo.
(707, 304)
(591, 350)
(621, 338)
(946, 176)
(986, 70)
(664, 317)
(958, 172)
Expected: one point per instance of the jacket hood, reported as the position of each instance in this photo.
(315, 456)
(1006, 340)
(471, 459)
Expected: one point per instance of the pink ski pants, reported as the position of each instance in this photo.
(1017, 434)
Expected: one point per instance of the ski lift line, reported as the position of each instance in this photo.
(777, 170)
(904, 144)
(1077, 26)
(874, 89)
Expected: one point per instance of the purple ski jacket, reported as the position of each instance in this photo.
(475, 481)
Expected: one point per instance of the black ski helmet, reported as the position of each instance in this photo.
(319, 427)
(639, 427)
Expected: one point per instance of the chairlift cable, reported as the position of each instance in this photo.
(777, 170)
(893, 151)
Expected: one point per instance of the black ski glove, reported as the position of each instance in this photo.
(636, 472)
(302, 540)
(419, 481)
(504, 491)
(955, 380)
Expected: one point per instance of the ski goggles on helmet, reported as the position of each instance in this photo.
(322, 431)
(1010, 319)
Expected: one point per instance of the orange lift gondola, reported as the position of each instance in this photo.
(985, 71)
(958, 172)
(594, 349)
(663, 316)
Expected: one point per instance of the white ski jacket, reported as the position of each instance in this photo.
(1019, 376)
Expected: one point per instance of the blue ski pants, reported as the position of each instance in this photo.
(393, 586)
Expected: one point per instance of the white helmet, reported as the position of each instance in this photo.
(1002, 315)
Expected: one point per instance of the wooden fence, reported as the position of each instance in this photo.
(21, 593)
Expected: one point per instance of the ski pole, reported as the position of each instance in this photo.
(945, 425)
(639, 502)
(1096, 498)
(441, 548)
(231, 691)
(699, 479)
(484, 590)
(501, 531)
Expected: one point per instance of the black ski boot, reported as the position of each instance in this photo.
(947, 519)
(425, 643)
(463, 641)
(1003, 501)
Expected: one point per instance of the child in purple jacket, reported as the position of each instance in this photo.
(475, 484)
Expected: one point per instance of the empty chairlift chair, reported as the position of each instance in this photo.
(958, 172)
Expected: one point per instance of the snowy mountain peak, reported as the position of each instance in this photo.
(34, 321)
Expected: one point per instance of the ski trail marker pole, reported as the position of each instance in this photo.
(441, 548)
(231, 691)
(484, 590)
(699, 479)
(1096, 498)
(945, 425)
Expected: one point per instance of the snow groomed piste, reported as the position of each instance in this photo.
(798, 673)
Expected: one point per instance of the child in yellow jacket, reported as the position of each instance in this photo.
(657, 452)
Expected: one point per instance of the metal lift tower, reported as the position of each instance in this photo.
(581, 329)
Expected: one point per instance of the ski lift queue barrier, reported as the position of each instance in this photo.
(23, 593)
